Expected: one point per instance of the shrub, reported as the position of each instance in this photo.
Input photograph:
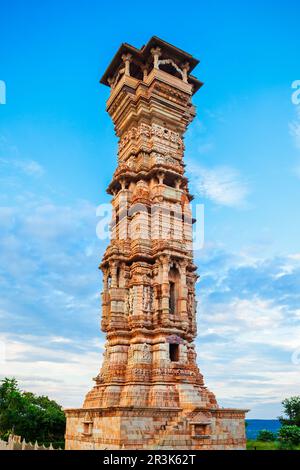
(35, 418)
(266, 436)
(289, 436)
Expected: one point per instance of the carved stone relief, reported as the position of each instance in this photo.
(130, 301)
(146, 130)
(147, 298)
(139, 353)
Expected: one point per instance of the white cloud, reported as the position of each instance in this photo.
(252, 321)
(49, 252)
(63, 374)
(13, 164)
(294, 128)
(256, 313)
(30, 167)
(249, 328)
(205, 148)
(248, 323)
(222, 185)
(295, 256)
(46, 220)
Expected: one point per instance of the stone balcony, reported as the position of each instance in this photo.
(161, 192)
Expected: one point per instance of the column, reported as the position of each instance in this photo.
(183, 295)
(165, 260)
(156, 54)
(127, 58)
(185, 68)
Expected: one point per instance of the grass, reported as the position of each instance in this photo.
(260, 445)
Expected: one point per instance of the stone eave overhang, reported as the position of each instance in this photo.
(174, 51)
(135, 176)
(123, 49)
(142, 56)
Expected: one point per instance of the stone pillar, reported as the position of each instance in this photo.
(161, 177)
(113, 273)
(127, 60)
(156, 54)
(183, 292)
(145, 73)
(105, 300)
(165, 260)
(185, 69)
(177, 183)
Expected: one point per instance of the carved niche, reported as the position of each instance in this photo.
(139, 353)
(147, 298)
(131, 300)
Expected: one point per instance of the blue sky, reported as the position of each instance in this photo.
(58, 153)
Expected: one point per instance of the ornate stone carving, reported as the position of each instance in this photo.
(147, 298)
(147, 131)
(139, 354)
(132, 299)
(170, 62)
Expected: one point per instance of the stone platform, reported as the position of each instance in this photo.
(155, 428)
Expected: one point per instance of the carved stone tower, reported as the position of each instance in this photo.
(149, 392)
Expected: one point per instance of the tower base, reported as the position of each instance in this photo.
(155, 428)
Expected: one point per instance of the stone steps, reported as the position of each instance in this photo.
(178, 427)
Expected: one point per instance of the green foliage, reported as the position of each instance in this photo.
(291, 407)
(260, 445)
(35, 418)
(266, 436)
(289, 436)
(274, 445)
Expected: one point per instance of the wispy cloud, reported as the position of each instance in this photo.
(249, 328)
(45, 260)
(29, 167)
(222, 185)
(49, 284)
(294, 128)
(11, 161)
(205, 148)
(63, 370)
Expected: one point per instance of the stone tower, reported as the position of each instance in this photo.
(149, 393)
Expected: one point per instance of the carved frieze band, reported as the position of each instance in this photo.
(148, 131)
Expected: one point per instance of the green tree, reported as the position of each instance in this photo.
(291, 408)
(266, 436)
(35, 418)
(289, 436)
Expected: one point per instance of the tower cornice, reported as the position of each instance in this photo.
(143, 57)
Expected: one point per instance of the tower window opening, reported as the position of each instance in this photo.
(88, 428)
(174, 352)
(170, 68)
(172, 298)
